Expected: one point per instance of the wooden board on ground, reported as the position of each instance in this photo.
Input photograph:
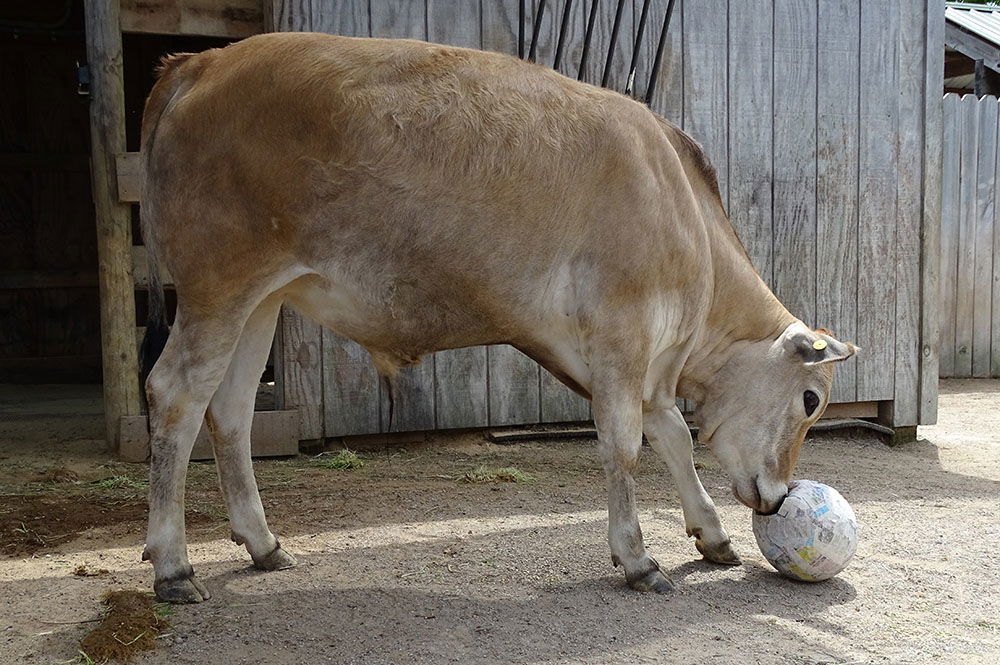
(272, 434)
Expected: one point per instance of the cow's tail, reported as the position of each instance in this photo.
(171, 82)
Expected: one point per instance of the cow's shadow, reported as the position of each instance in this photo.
(364, 615)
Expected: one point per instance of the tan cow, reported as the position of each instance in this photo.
(416, 197)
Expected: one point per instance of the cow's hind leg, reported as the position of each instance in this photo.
(179, 388)
(670, 437)
(229, 417)
(617, 401)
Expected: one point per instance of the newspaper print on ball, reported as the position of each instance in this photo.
(813, 535)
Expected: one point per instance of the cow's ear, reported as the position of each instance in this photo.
(815, 347)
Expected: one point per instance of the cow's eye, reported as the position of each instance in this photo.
(810, 400)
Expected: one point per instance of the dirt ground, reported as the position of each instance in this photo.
(399, 562)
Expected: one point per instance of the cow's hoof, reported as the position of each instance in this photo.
(651, 580)
(181, 590)
(276, 559)
(722, 553)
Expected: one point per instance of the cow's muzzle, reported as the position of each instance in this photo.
(760, 496)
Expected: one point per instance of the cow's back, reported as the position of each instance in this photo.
(461, 190)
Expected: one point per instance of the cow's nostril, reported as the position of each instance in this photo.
(773, 509)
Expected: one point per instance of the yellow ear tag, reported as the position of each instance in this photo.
(819, 344)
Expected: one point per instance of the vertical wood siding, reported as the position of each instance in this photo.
(821, 117)
(970, 268)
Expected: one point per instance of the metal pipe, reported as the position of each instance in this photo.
(539, 13)
(630, 83)
(591, 20)
(520, 30)
(658, 60)
(614, 41)
(562, 34)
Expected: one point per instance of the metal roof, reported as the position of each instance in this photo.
(981, 20)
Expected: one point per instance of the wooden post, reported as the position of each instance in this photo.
(930, 230)
(114, 225)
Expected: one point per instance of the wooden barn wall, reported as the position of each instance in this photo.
(970, 243)
(815, 114)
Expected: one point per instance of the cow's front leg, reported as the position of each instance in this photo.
(618, 417)
(670, 437)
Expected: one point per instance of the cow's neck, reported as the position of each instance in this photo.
(743, 310)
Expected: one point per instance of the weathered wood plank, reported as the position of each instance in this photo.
(513, 386)
(995, 297)
(398, 18)
(837, 180)
(966, 275)
(706, 115)
(348, 17)
(794, 225)
(298, 371)
(351, 388)
(500, 26)
(413, 392)
(559, 403)
(114, 219)
(668, 94)
(572, 37)
(209, 18)
(549, 17)
(909, 216)
(455, 22)
(950, 179)
(461, 388)
(272, 434)
(751, 108)
(982, 295)
(128, 171)
(877, 199)
(931, 230)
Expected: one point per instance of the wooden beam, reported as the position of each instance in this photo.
(114, 223)
(129, 184)
(208, 18)
(272, 434)
(972, 46)
(930, 224)
(987, 81)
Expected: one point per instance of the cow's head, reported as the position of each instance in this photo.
(756, 411)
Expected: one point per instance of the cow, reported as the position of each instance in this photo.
(415, 197)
